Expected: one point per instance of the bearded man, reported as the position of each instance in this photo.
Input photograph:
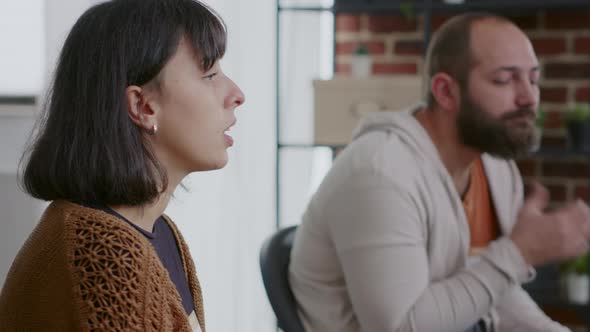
(421, 224)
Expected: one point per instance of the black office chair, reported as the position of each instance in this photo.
(274, 264)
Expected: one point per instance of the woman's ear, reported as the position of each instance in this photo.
(139, 110)
(445, 91)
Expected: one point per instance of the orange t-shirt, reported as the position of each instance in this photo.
(480, 212)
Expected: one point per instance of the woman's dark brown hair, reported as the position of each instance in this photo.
(86, 149)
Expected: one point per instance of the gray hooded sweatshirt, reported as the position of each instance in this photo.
(383, 245)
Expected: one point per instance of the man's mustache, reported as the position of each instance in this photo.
(520, 113)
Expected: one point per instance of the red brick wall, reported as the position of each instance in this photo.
(562, 42)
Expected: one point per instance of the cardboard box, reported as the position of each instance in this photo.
(339, 103)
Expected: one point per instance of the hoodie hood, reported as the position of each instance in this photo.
(386, 121)
(404, 125)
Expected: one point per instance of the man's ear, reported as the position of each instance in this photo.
(445, 91)
(139, 110)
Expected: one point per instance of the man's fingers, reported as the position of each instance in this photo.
(584, 220)
(538, 196)
(578, 213)
(582, 247)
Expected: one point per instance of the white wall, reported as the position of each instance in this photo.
(22, 40)
(33, 32)
(18, 212)
(21, 65)
(60, 16)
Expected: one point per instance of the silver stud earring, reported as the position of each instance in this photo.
(153, 130)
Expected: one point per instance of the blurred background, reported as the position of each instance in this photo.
(300, 62)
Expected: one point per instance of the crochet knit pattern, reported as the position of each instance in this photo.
(115, 276)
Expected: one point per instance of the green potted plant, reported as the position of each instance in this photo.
(577, 121)
(407, 9)
(360, 64)
(575, 277)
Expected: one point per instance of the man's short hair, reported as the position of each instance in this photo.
(450, 50)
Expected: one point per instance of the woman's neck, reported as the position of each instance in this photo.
(144, 216)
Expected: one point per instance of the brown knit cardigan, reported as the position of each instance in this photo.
(84, 270)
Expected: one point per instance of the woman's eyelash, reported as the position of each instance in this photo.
(210, 76)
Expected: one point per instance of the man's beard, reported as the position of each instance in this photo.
(502, 137)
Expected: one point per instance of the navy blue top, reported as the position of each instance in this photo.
(162, 239)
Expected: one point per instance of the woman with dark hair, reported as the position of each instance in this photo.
(138, 102)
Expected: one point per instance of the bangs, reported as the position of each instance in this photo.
(206, 32)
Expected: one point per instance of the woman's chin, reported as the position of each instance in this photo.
(211, 165)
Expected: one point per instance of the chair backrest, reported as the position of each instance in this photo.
(274, 264)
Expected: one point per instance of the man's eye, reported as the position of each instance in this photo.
(501, 82)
